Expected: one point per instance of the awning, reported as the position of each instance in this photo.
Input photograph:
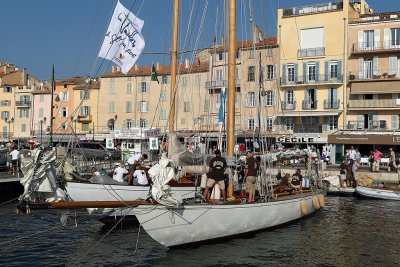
(308, 113)
(367, 139)
(379, 87)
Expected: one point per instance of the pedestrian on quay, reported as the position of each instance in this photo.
(371, 160)
(352, 153)
(377, 159)
(14, 160)
(392, 160)
(358, 156)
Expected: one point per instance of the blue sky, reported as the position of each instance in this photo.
(68, 33)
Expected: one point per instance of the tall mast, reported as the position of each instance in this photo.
(52, 107)
(173, 66)
(231, 79)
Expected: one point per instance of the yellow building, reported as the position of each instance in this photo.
(313, 58)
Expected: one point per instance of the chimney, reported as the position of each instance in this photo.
(158, 67)
(114, 69)
(136, 67)
(362, 8)
(24, 77)
(5, 69)
(186, 63)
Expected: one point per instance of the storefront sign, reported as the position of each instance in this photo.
(364, 139)
(153, 132)
(132, 133)
(296, 139)
(109, 143)
(153, 143)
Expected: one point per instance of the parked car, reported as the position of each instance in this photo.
(95, 150)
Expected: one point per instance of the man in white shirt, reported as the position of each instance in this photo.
(135, 160)
(119, 173)
(14, 159)
(139, 178)
(352, 153)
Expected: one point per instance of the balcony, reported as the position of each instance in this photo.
(309, 105)
(85, 118)
(311, 79)
(219, 84)
(308, 128)
(374, 104)
(288, 106)
(376, 47)
(381, 74)
(23, 104)
(331, 104)
(311, 9)
(311, 52)
(370, 125)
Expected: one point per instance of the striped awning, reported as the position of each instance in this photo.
(376, 87)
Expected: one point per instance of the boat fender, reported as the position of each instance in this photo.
(315, 202)
(303, 207)
(321, 200)
(203, 182)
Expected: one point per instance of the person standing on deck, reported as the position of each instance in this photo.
(135, 160)
(217, 172)
(377, 160)
(250, 173)
(14, 160)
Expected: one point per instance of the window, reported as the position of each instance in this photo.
(164, 79)
(41, 111)
(129, 88)
(5, 103)
(163, 95)
(289, 123)
(23, 127)
(5, 115)
(129, 79)
(220, 56)
(163, 114)
(251, 124)
(311, 72)
(251, 99)
(24, 113)
(85, 111)
(270, 72)
(207, 105)
(64, 96)
(269, 52)
(63, 126)
(251, 53)
(65, 85)
(41, 98)
(368, 68)
(143, 87)
(269, 123)
(183, 120)
(368, 39)
(197, 80)
(219, 76)
(128, 124)
(312, 38)
(333, 69)
(184, 81)
(84, 94)
(128, 107)
(63, 112)
(289, 96)
(143, 106)
(333, 122)
(290, 73)
(269, 98)
(111, 87)
(85, 127)
(395, 37)
(111, 106)
(186, 106)
(143, 123)
(7, 89)
(237, 54)
(251, 74)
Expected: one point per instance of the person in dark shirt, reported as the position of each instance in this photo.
(251, 176)
(217, 172)
(297, 180)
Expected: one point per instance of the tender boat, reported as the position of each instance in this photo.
(390, 193)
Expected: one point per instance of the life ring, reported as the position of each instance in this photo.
(321, 200)
(303, 207)
(315, 202)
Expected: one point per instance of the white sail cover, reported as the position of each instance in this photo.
(40, 179)
(161, 174)
(123, 42)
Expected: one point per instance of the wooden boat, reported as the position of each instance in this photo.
(390, 193)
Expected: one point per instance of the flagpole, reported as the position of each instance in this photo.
(51, 109)
(173, 66)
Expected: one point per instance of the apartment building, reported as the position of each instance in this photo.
(374, 72)
(41, 110)
(313, 56)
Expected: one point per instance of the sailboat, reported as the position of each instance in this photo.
(185, 223)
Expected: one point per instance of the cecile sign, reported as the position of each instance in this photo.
(295, 139)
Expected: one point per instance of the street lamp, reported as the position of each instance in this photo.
(9, 121)
(41, 129)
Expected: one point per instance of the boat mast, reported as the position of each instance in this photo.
(52, 107)
(231, 79)
(174, 54)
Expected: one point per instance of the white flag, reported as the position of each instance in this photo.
(123, 42)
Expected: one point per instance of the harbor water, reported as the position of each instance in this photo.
(347, 232)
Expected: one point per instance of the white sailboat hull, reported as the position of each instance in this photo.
(378, 193)
(100, 192)
(195, 223)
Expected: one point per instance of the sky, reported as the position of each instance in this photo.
(36, 34)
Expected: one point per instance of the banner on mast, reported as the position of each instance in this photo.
(123, 42)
